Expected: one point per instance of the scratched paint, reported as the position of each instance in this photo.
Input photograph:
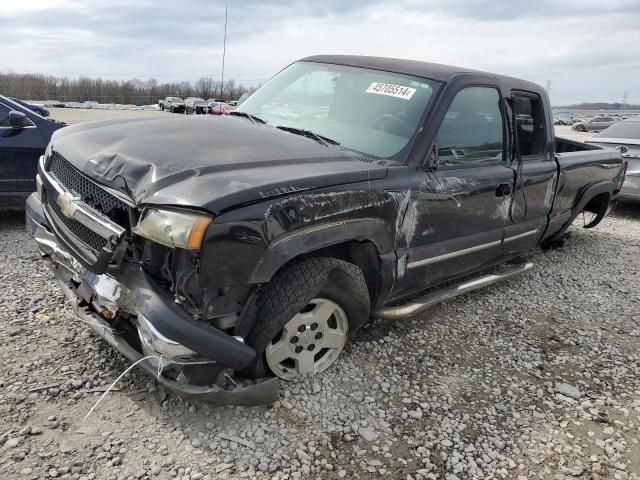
(502, 209)
(548, 195)
(402, 266)
(451, 189)
(318, 206)
(409, 224)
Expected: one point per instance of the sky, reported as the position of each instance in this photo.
(588, 49)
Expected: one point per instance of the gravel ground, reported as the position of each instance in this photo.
(533, 378)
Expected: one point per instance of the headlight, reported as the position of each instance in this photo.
(47, 150)
(173, 228)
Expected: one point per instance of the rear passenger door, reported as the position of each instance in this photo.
(536, 174)
(456, 214)
(20, 149)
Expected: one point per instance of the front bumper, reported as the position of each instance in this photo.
(158, 330)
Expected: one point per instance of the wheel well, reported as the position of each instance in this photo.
(363, 254)
(597, 205)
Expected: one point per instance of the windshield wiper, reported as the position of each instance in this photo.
(250, 116)
(326, 141)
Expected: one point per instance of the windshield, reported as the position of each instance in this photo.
(368, 111)
(174, 99)
(622, 130)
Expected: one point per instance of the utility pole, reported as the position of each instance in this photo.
(624, 100)
(224, 49)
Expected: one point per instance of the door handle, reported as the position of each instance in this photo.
(503, 190)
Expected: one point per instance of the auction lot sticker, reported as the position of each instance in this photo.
(391, 90)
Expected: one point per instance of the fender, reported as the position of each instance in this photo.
(590, 193)
(315, 237)
(587, 195)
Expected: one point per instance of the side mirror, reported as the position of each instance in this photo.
(18, 120)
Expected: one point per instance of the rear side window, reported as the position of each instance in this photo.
(4, 115)
(472, 129)
(530, 124)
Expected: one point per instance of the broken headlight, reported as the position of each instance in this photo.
(173, 228)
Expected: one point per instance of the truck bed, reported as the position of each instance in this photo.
(582, 167)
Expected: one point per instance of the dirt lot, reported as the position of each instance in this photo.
(534, 378)
(77, 115)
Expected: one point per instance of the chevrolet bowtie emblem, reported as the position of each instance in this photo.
(67, 204)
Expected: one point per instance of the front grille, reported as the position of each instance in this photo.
(90, 193)
(85, 235)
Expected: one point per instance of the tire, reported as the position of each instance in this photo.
(581, 128)
(293, 289)
(161, 108)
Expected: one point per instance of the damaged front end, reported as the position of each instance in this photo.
(131, 291)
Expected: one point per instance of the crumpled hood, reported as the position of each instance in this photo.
(209, 162)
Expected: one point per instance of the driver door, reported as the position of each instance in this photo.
(456, 215)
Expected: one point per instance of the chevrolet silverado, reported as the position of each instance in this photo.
(255, 244)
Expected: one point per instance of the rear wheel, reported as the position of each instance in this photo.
(305, 315)
(581, 128)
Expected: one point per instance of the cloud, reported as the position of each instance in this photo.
(583, 46)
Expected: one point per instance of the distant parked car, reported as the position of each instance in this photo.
(39, 109)
(563, 121)
(624, 136)
(172, 104)
(54, 103)
(595, 124)
(195, 105)
(24, 135)
(219, 108)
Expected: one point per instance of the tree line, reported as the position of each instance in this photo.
(40, 87)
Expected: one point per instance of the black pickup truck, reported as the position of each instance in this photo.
(345, 187)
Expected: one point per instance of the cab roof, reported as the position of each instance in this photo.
(433, 71)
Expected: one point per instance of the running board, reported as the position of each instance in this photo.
(415, 306)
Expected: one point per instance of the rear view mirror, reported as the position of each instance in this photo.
(18, 120)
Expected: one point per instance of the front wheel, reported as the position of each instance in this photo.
(581, 128)
(305, 315)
